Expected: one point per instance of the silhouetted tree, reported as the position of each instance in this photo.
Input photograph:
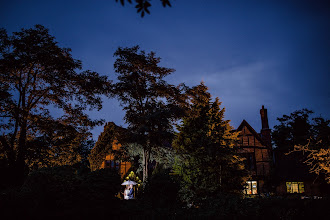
(150, 103)
(207, 160)
(37, 75)
(316, 152)
(143, 6)
(302, 145)
(318, 160)
(294, 129)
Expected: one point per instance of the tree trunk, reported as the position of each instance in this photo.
(146, 157)
(220, 176)
(20, 166)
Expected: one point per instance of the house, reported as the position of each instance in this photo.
(256, 148)
(274, 170)
(110, 162)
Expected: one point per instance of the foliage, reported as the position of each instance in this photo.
(36, 76)
(162, 189)
(304, 141)
(317, 160)
(163, 157)
(143, 6)
(104, 145)
(294, 129)
(206, 161)
(150, 103)
(14, 205)
(68, 188)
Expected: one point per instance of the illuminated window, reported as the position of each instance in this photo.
(251, 188)
(295, 187)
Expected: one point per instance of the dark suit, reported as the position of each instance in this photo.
(131, 193)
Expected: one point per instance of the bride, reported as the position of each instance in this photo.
(126, 192)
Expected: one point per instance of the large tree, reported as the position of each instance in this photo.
(294, 129)
(302, 145)
(207, 161)
(37, 77)
(150, 103)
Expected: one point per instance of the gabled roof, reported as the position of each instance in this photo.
(255, 134)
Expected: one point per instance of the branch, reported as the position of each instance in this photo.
(31, 105)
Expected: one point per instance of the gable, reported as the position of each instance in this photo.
(248, 136)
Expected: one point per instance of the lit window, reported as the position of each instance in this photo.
(251, 188)
(295, 187)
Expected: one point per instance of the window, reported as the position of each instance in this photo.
(117, 165)
(251, 188)
(107, 163)
(249, 161)
(295, 187)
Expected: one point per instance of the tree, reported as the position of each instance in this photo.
(302, 145)
(317, 160)
(38, 76)
(150, 103)
(143, 6)
(317, 150)
(208, 163)
(294, 129)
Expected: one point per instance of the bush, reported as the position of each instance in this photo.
(65, 191)
(161, 190)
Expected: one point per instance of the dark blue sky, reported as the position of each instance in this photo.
(249, 53)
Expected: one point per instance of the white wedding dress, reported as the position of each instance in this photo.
(126, 192)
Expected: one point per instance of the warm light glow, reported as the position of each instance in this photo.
(295, 187)
(251, 188)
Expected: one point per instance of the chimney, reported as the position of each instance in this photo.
(265, 131)
(264, 118)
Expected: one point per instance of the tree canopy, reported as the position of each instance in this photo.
(150, 103)
(38, 76)
(303, 142)
(207, 163)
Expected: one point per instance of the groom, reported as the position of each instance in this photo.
(131, 192)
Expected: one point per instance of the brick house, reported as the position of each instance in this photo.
(257, 150)
(110, 162)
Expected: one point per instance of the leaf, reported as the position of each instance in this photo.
(166, 2)
(146, 10)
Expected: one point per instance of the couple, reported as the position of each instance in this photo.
(129, 192)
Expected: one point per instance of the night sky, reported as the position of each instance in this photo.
(249, 53)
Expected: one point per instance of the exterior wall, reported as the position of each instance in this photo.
(258, 159)
(109, 161)
(249, 144)
(311, 189)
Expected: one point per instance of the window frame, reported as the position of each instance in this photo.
(295, 187)
(250, 185)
